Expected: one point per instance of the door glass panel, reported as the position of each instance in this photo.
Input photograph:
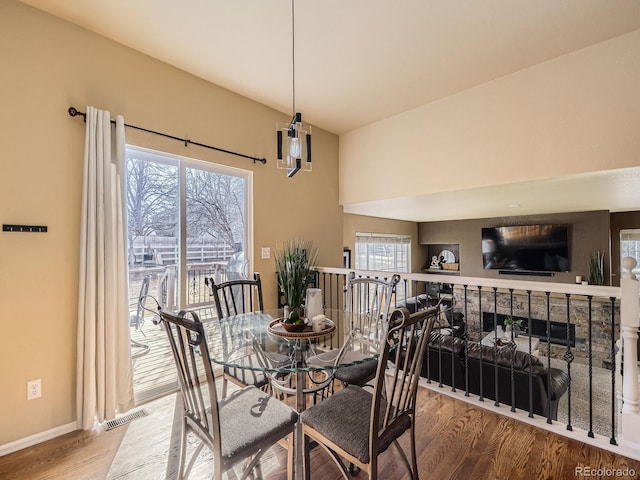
(214, 223)
(216, 232)
(152, 232)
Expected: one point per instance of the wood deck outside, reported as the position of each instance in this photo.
(155, 369)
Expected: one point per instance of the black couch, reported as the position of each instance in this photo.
(422, 302)
(445, 363)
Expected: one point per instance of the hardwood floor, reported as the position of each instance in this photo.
(455, 440)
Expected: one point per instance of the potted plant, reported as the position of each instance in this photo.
(512, 327)
(294, 268)
(595, 268)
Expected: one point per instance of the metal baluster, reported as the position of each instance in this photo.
(568, 357)
(440, 359)
(453, 370)
(530, 369)
(495, 346)
(481, 398)
(612, 440)
(330, 289)
(590, 353)
(512, 347)
(466, 345)
(548, 294)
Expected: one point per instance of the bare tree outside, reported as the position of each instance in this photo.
(215, 222)
(216, 206)
(151, 201)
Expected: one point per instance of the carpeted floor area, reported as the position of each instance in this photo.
(601, 391)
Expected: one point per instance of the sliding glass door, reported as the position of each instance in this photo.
(188, 222)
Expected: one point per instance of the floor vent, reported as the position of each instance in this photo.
(124, 419)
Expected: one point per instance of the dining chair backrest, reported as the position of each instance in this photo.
(404, 347)
(195, 373)
(250, 420)
(395, 388)
(356, 424)
(235, 297)
(367, 305)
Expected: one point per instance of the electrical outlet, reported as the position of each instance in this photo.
(266, 253)
(34, 389)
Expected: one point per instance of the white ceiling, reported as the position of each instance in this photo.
(359, 61)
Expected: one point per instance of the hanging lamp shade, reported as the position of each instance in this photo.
(294, 138)
(294, 146)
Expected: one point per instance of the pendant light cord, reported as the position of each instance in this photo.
(293, 52)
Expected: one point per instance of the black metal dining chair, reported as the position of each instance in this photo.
(366, 311)
(236, 297)
(358, 425)
(240, 427)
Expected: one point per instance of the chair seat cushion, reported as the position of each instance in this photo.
(344, 419)
(358, 374)
(251, 419)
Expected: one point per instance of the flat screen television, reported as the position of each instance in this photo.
(531, 248)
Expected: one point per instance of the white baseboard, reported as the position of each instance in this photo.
(37, 438)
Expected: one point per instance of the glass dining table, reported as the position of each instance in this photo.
(299, 363)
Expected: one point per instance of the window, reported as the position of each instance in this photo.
(630, 247)
(384, 253)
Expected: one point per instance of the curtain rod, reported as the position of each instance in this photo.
(74, 112)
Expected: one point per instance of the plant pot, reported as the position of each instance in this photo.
(511, 332)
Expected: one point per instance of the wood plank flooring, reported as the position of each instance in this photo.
(455, 440)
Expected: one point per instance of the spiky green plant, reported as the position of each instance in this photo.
(294, 268)
(516, 322)
(596, 267)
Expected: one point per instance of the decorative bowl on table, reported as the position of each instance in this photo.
(294, 327)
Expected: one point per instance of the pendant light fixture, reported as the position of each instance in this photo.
(294, 138)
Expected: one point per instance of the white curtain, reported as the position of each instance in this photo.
(104, 376)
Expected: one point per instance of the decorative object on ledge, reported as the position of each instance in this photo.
(595, 268)
(297, 152)
(443, 257)
(294, 267)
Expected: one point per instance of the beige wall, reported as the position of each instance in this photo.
(49, 65)
(359, 223)
(576, 113)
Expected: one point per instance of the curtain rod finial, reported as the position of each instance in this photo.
(74, 112)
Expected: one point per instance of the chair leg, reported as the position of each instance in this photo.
(414, 457)
(224, 387)
(404, 459)
(373, 467)
(258, 470)
(183, 450)
(290, 456)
